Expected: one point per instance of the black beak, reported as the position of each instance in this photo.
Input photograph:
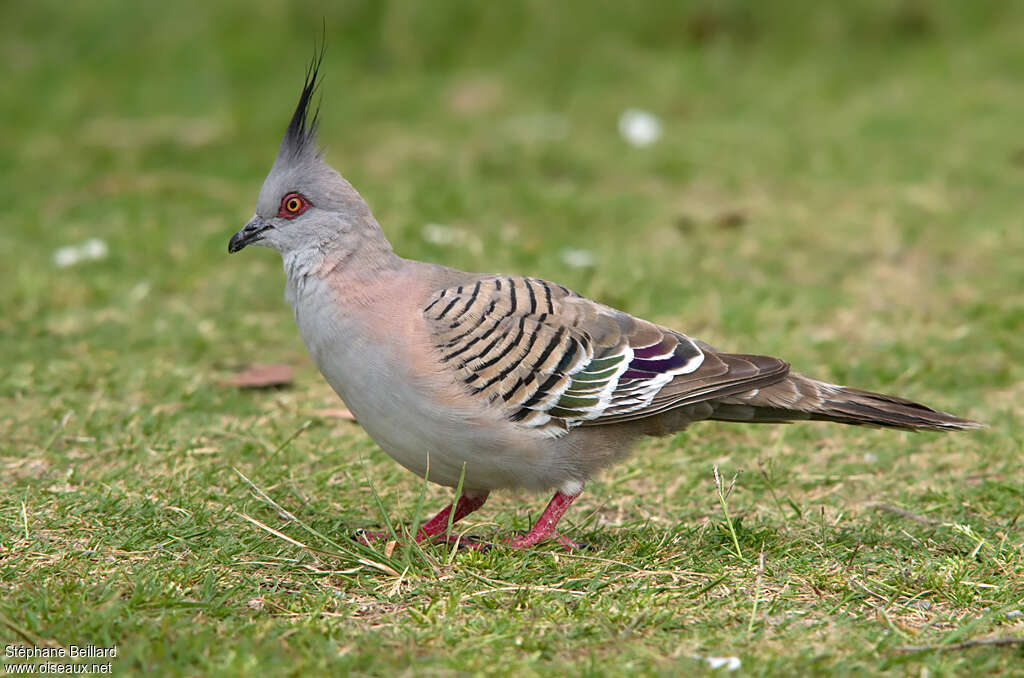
(249, 234)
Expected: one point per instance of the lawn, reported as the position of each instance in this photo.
(836, 184)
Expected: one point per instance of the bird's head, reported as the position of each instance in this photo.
(304, 204)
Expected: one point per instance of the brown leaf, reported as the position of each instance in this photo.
(260, 375)
(731, 219)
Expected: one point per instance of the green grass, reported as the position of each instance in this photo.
(840, 187)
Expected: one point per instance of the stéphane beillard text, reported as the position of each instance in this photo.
(69, 652)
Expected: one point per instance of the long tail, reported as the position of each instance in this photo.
(797, 397)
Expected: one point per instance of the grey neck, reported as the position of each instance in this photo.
(353, 260)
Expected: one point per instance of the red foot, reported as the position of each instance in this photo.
(525, 542)
(433, 530)
(545, 527)
(439, 523)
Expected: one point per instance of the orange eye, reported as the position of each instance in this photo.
(292, 205)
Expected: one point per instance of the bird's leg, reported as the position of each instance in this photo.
(545, 526)
(466, 504)
(437, 525)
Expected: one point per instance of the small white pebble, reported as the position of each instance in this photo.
(66, 256)
(728, 663)
(90, 250)
(639, 128)
(870, 457)
(1014, 614)
(577, 258)
(94, 248)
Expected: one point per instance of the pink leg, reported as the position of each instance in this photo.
(439, 523)
(436, 525)
(545, 526)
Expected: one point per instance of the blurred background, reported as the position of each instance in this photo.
(838, 183)
(808, 177)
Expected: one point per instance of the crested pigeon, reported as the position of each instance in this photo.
(504, 381)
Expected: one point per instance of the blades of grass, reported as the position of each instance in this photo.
(722, 496)
(821, 524)
(412, 544)
(27, 635)
(764, 472)
(707, 587)
(24, 518)
(380, 504)
(458, 495)
(281, 535)
(757, 591)
(771, 490)
(299, 431)
(269, 449)
(451, 515)
(61, 425)
(276, 533)
(351, 553)
(417, 514)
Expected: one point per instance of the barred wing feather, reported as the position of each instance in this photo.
(554, 360)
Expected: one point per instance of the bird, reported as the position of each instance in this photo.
(493, 382)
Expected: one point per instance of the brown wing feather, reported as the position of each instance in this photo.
(720, 375)
(553, 360)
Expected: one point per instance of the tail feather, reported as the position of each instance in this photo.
(800, 398)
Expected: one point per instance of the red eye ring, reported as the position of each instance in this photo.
(292, 205)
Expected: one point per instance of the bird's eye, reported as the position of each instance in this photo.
(292, 205)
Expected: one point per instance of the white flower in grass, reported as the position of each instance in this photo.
(727, 663)
(639, 128)
(91, 250)
(66, 256)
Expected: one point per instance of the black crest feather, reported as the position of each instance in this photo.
(300, 137)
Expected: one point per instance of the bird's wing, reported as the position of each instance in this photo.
(553, 360)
